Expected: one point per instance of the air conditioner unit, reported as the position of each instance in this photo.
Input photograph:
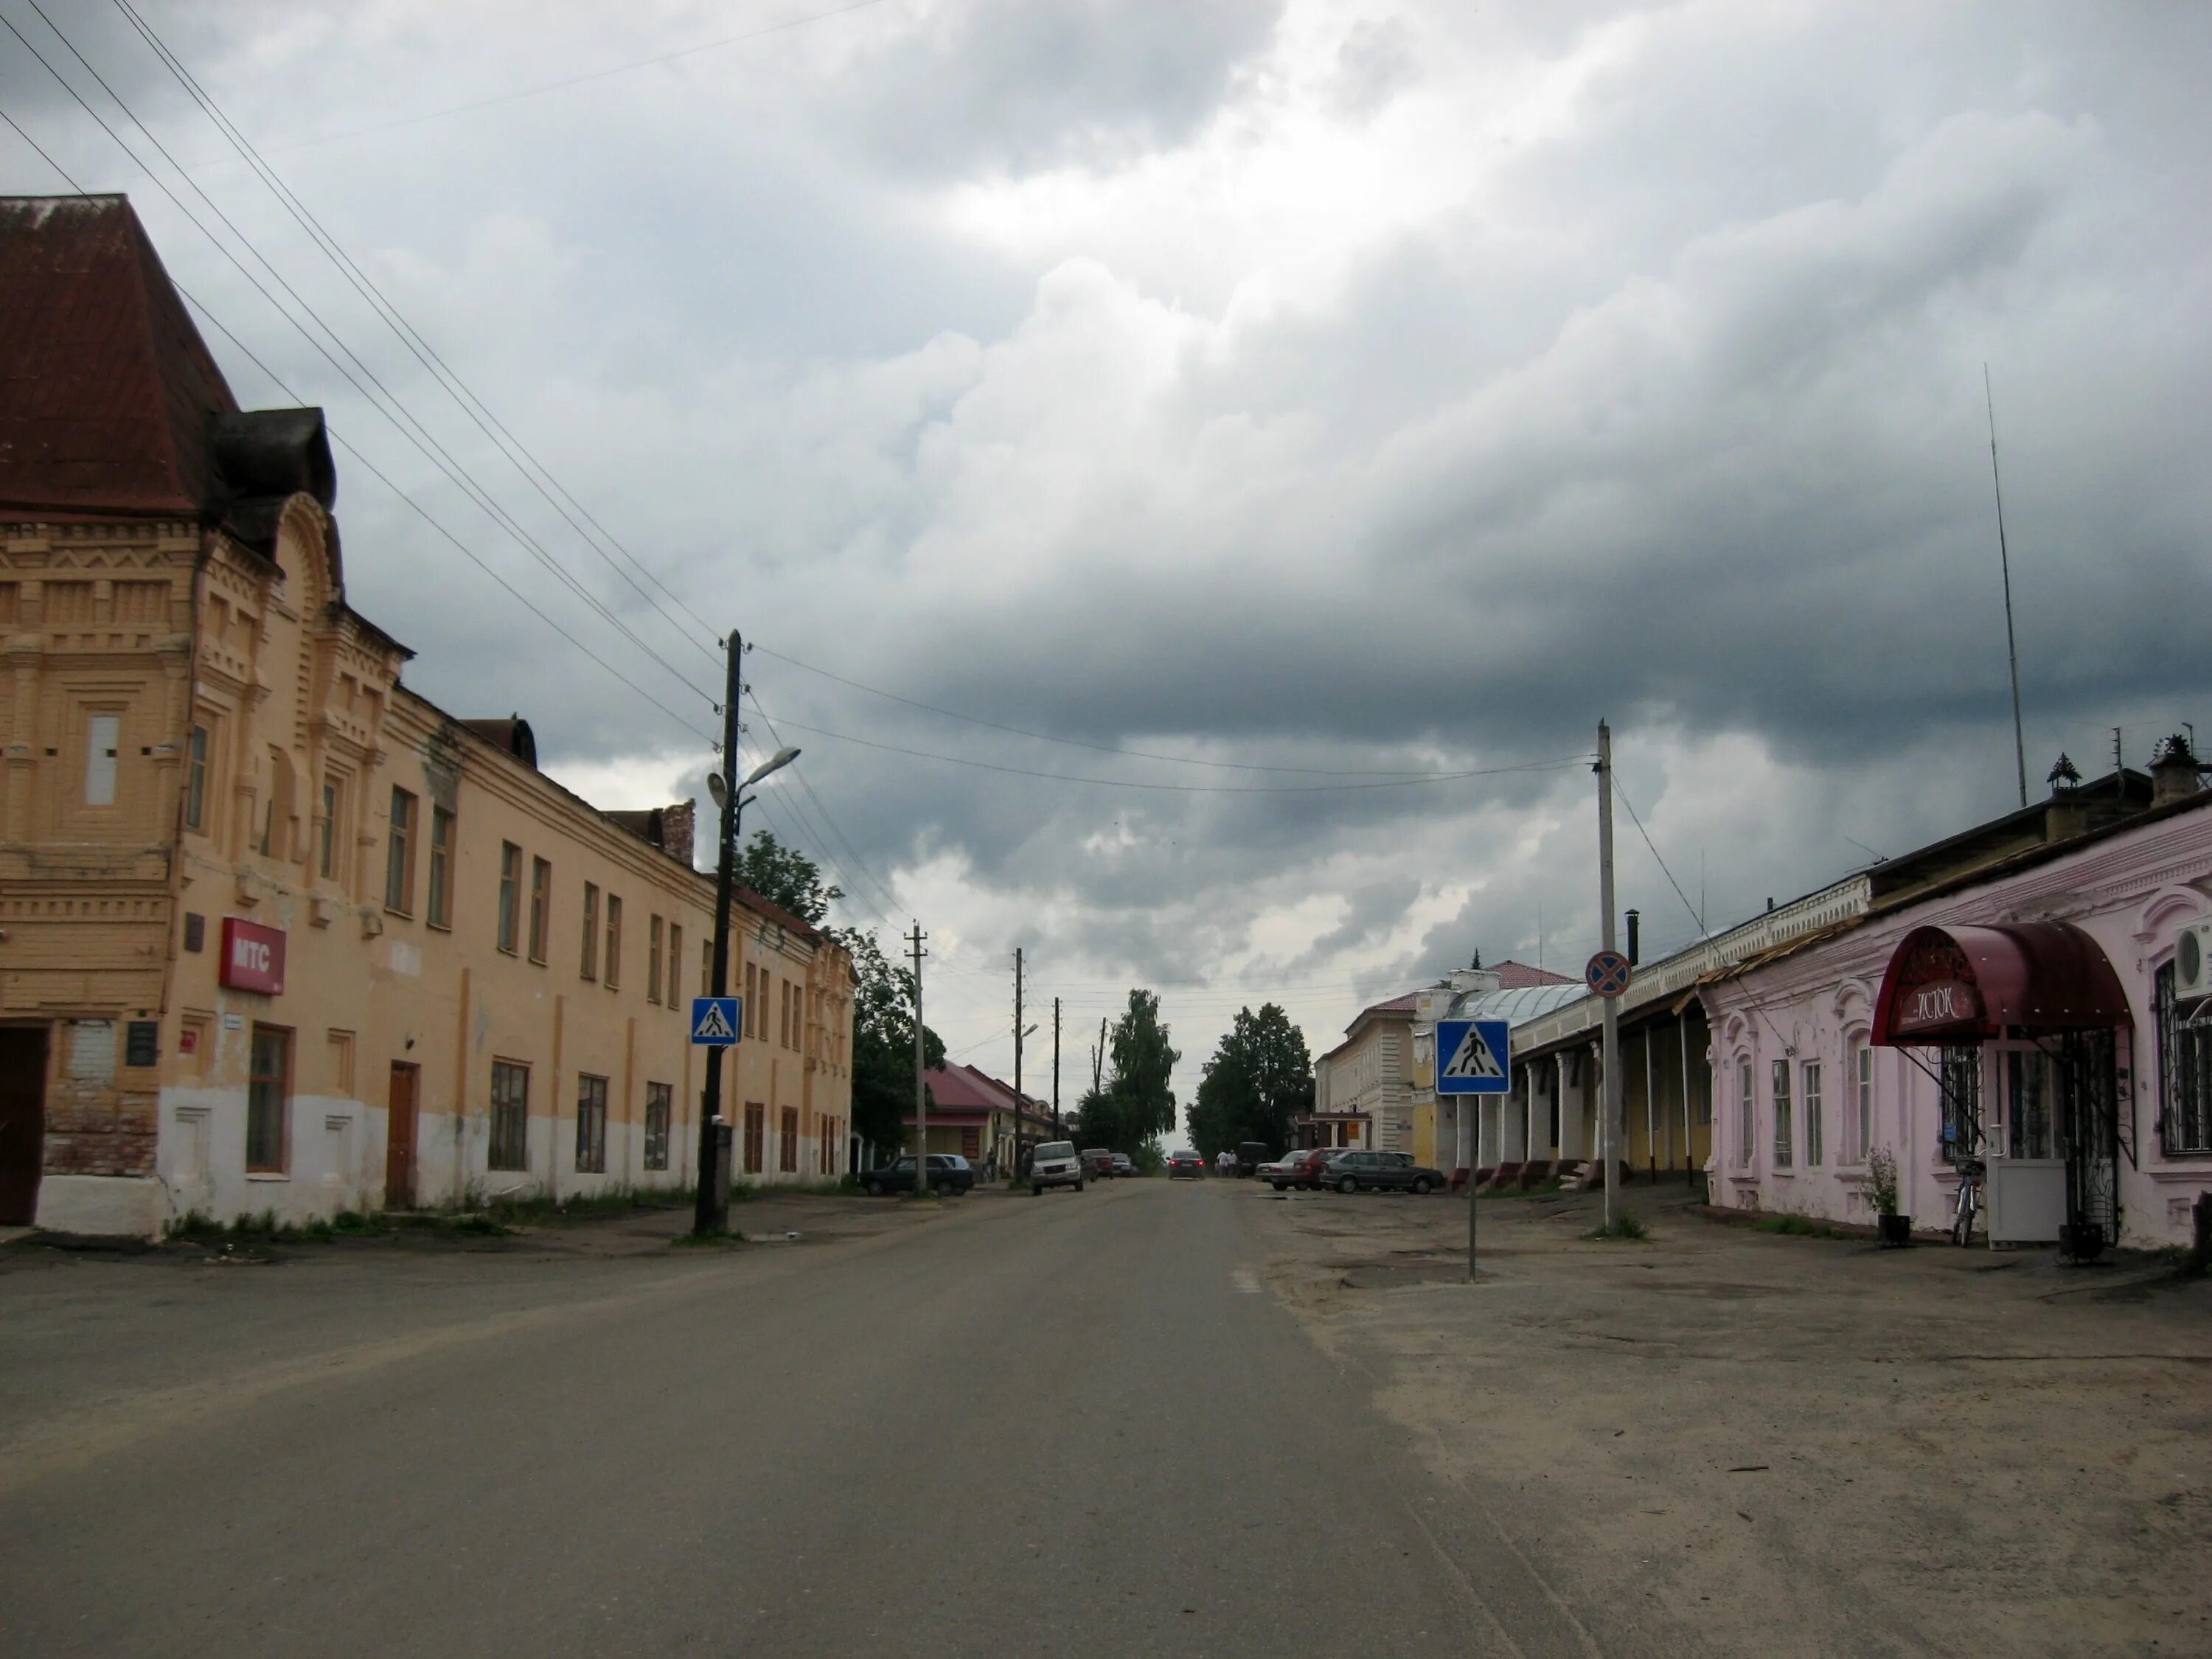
(2192, 961)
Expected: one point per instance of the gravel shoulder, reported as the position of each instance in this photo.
(1787, 1445)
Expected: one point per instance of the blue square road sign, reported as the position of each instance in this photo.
(717, 1021)
(1475, 1057)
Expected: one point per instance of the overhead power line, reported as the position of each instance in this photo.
(521, 93)
(432, 451)
(369, 466)
(1194, 788)
(1099, 748)
(532, 471)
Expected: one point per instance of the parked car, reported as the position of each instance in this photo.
(1251, 1155)
(1185, 1162)
(949, 1172)
(1123, 1165)
(1388, 1172)
(1098, 1162)
(1055, 1163)
(1276, 1168)
(1307, 1168)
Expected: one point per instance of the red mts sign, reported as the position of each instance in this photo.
(252, 957)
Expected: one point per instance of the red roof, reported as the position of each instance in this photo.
(106, 386)
(963, 1090)
(1520, 977)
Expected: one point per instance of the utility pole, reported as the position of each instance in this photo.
(710, 1211)
(1015, 1171)
(1098, 1061)
(920, 1089)
(2005, 563)
(1055, 1068)
(1609, 1055)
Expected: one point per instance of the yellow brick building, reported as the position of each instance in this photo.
(275, 932)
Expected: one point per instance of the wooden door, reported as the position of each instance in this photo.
(22, 1121)
(399, 1137)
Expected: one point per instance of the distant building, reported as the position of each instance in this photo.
(974, 1114)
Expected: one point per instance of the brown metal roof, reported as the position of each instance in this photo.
(106, 386)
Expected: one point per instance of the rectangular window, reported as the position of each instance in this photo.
(268, 1100)
(750, 1014)
(675, 965)
(1747, 1115)
(786, 1149)
(1815, 1137)
(326, 854)
(1782, 1147)
(103, 734)
(756, 1134)
(591, 959)
(441, 868)
(614, 941)
(1961, 1121)
(399, 855)
(653, 930)
(196, 780)
(590, 1125)
(541, 906)
(510, 1116)
(659, 1099)
(2185, 1076)
(341, 1057)
(2029, 1132)
(510, 893)
(1862, 1126)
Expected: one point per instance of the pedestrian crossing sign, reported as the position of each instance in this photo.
(1473, 1057)
(717, 1022)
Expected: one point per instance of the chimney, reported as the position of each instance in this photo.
(2175, 771)
(677, 828)
(2064, 816)
(1634, 931)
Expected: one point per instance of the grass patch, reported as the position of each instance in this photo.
(537, 1209)
(713, 1241)
(1627, 1224)
(1795, 1226)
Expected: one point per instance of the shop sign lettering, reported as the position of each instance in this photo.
(252, 957)
(1946, 1002)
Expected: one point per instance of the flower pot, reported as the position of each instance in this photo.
(2081, 1241)
(1896, 1231)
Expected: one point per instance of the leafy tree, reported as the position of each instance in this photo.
(784, 875)
(883, 1042)
(1135, 1104)
(1260, 1078)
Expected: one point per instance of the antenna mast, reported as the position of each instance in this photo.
(2005, 563)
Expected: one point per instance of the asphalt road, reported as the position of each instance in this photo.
(1074, 1424)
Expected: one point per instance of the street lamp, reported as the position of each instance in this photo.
(711, 1211)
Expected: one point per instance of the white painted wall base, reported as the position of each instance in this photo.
(102, 1206)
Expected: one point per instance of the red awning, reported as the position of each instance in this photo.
(1962, 985)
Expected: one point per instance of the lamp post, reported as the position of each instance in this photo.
(711, 1213)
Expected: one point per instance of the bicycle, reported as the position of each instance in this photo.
(1970, 1173)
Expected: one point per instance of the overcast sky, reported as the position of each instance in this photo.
(1339, 386)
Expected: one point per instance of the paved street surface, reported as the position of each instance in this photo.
(1074, 1424)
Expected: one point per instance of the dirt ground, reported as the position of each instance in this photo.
(1777, 1445)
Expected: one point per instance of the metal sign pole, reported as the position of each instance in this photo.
(1609, 1059)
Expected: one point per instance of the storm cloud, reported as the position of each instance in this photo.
(1319, 394)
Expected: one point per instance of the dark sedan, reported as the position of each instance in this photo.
(1380, 1172)
(1185, 1162)
(948, 1173)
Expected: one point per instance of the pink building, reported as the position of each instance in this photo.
(2041, 1009)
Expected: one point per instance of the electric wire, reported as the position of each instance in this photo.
(463, 397)
(277, 381)
(522, 92)
(454, 472)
